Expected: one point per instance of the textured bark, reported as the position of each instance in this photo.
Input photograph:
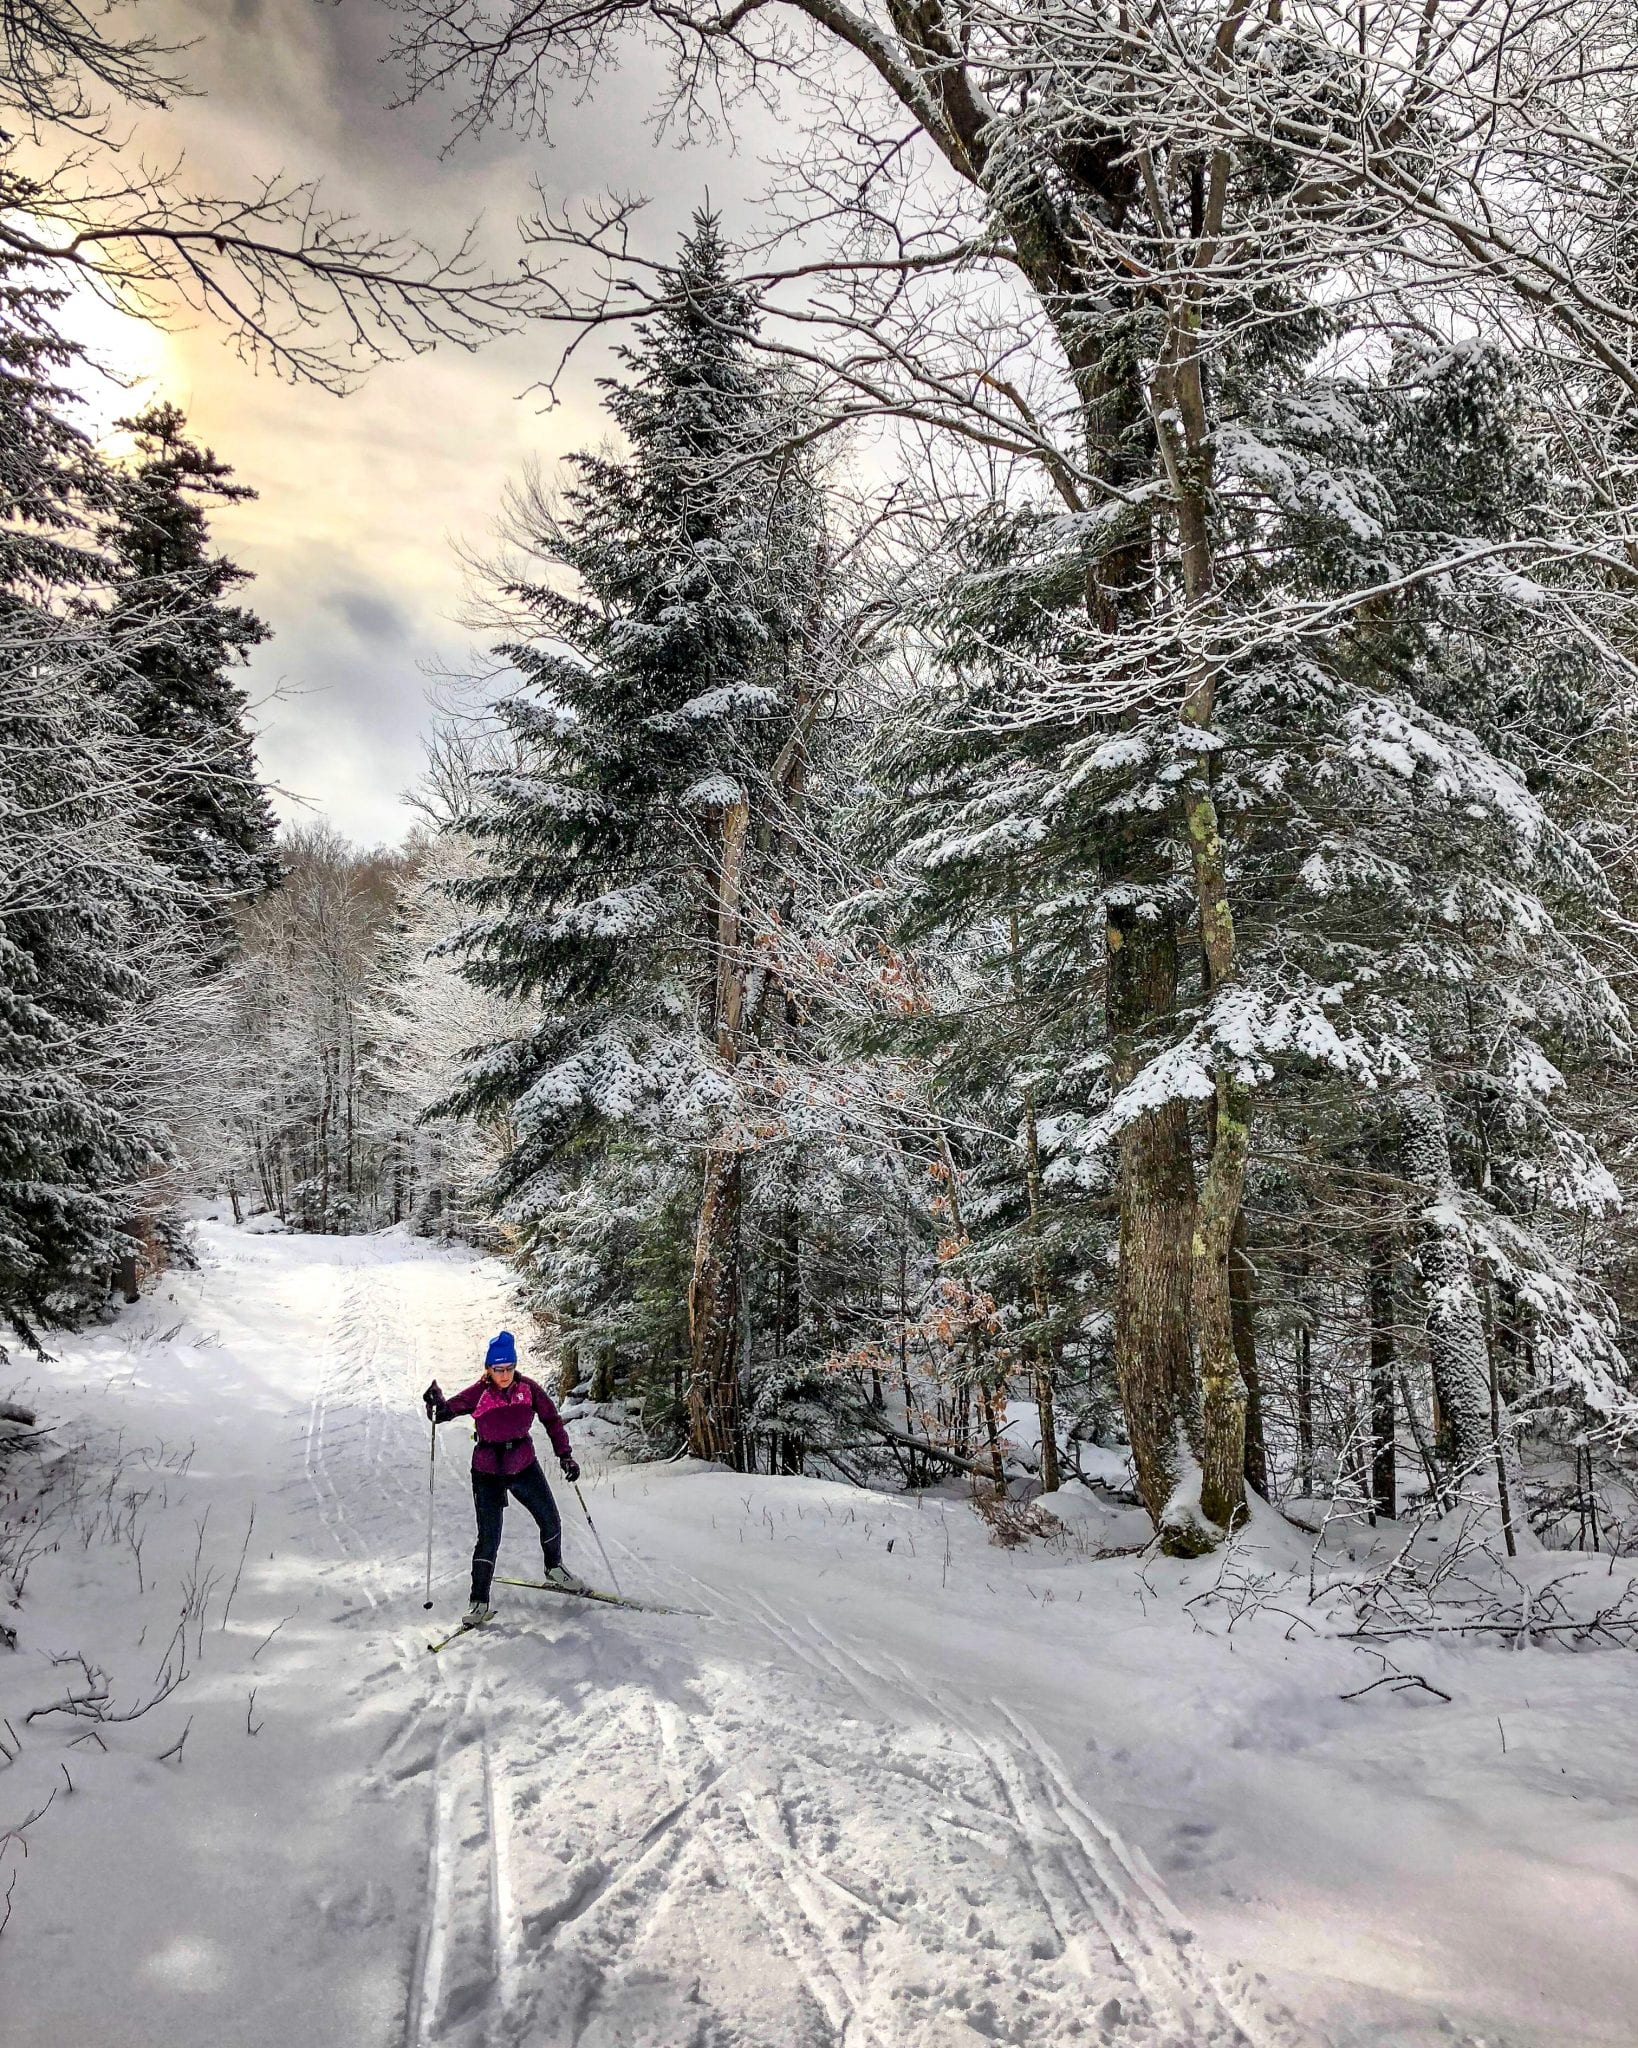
(904, 1332)
(1509, 1480)
(714, 1430)
(1243, 1302)
(1384, 1478)
(1222, 1389)
(1154, 1362)
(1045, 1404)
(992, 1429)
(1456, 1347)
(1183, 433)
(1305, 1373)
(1154, 1359)
(1154, 1366)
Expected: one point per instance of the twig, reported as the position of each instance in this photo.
(16, 1834)
(1399, 1680)
(243, 1553)
(85, 1703)
(272, 1632)
(175, 1749)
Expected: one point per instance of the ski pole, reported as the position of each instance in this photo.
(432, 1481)
(592, 1526)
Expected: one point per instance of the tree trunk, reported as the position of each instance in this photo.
(992, 1427)
(1509, 1485)
(1243, 1304)
(1045, 1405)
(904, 1334)
(323, 1160)
(714, 1429)
(1154, 1358)
(1154, 1366)
(1222, 1389)
(713, 1315)
(1305, 1372)
(1184, 438)
(1384, 1477)
(1456, 1348)
(790, 1266)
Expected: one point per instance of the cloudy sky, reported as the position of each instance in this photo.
(364, 499)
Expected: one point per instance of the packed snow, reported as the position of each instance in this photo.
(873, 1783)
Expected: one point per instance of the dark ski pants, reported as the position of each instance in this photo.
(529, 1489)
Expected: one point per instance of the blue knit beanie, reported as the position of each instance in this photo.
(502, 1351)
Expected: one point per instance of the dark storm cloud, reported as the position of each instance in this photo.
(370, 616)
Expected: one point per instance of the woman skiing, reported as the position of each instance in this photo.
(503, 1406)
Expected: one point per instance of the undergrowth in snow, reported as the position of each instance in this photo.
(880, 1779)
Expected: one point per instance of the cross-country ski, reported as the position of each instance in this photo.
(593, 1593)
(464, 1628)
(461, 1628)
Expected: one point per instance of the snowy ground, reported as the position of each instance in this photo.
(885, 1786)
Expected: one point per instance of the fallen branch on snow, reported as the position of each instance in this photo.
(1400, 1681)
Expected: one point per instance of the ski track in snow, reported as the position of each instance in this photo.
(758, 1824)
(675, 1839)
(820, 1809)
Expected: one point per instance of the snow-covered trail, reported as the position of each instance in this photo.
(867, 1791)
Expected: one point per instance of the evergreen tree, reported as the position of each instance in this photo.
(987, 853)
(78, 902)
(181, 639)
(1419, 919)
(659, 734)
(1403, 788)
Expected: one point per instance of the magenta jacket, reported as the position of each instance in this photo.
(503, 1423)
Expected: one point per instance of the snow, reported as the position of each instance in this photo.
(882, 1785)
(1244, 1025)
(725, 701)
(616, 914)
(714, 792)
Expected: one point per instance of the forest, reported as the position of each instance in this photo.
(1038, 885)
(981, 942)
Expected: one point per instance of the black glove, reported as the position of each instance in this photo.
(433, 1400)
(571, 1471)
